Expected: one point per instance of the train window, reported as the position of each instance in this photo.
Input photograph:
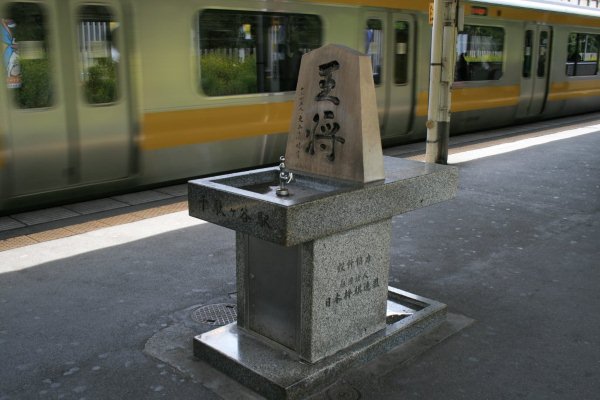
(401, 53)
(242, 52)
(527, 53)
(374, 47)
(480, 53)
(25, 55)
(98, 54)
(582, 54)
(542, 54)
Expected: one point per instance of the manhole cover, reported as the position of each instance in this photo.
(215, 314)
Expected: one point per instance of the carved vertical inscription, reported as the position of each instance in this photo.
(324, 132)
(299, 122)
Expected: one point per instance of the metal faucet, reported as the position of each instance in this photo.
(285, 177)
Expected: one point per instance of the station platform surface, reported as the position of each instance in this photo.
(85, 287)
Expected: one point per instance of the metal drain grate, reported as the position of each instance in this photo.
(215, 314)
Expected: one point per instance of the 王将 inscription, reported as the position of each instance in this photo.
(325, 127)
(328, 129)
(334, 131)
(327, 83)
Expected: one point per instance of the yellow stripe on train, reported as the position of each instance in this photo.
(183, 127)
(468, 99)
(179, 128)
(575, 88)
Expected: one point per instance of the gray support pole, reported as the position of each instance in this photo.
(441, 77)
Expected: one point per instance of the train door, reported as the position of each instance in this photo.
(102, 103)
(67, 103)
(535, 72)
(35, 115)
(401, 100)
(374, 44)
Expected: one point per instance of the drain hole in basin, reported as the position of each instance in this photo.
(392, 319)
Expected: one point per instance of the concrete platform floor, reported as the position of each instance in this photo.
(517, 251)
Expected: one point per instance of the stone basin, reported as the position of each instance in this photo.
(317, 207)
(263, 183)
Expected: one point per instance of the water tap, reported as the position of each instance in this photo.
(285, 177)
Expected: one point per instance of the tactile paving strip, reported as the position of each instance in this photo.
(76, 229)
(16, 242)
(119, 219)
(85, 227)
(51, 234)
(162, 210)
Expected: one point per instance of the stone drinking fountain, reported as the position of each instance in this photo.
(313, 239)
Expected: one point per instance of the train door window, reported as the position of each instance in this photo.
(243, 52)
(527, 53)
(480, 53)
(98, 54)
(25, 55)
(374, 47)
(582, 54)
(401, 53)
(542, 54)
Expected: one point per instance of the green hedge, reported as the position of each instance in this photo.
(223, 75)
(36, 88)
(101, 85)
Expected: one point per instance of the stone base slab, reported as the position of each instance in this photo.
(276, 373)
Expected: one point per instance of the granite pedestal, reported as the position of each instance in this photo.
(312, 272)
(317, 297)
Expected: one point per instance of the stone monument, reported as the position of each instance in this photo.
(312, 242)
(335, 126)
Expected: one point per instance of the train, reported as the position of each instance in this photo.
(108, 96)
